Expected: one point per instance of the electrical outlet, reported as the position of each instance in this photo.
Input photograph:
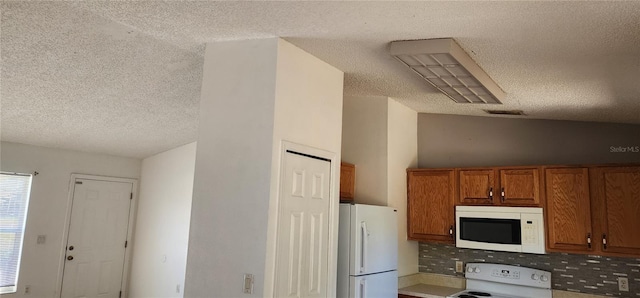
(623, 284)
(27, 289)
(248, 284)
(459, 266)
(41, 239)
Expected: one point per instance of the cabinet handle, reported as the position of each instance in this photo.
(451, 231)
(491, 194)
(604, 241)
(589, 240)
(502, 195)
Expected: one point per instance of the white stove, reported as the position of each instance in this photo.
(505, 281)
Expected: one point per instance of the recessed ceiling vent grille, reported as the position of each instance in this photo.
(446, 66)
(506, 112)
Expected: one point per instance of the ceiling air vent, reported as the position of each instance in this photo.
(446, 66)
(506, 112)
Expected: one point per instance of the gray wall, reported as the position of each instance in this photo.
(468, 141)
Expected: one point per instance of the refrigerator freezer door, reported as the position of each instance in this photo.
(374, 239)
(381, 285)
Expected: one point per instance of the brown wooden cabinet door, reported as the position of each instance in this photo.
(568, 210)
(347, 181)
(430, 201)
(519, 187)
(476, 187)
(617, 208)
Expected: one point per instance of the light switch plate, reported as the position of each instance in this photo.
(248, 284)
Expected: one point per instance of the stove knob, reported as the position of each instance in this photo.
(534, 276)
(476, 270)
(543, 278)
(469, 269)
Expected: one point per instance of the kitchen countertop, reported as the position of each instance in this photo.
(428, 291)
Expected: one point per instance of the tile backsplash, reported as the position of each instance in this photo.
(569, 272)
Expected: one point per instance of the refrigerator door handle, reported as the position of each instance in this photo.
(363, 245)
(363, 287)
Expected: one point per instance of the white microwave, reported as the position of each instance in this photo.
(515, 229)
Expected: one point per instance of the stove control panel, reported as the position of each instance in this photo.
(505, 273)
(508, 274)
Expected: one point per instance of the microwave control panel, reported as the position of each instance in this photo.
(529, 231)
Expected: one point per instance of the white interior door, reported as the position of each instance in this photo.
(94, 260)
(303, 227)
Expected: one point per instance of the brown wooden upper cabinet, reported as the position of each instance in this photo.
(347, 181)
(430, 205)
(499, 186)
(568, 210)
(520, 187)
(477, 186)
(616, 199)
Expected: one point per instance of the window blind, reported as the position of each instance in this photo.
(14, 200)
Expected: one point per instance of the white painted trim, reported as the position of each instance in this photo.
(130, 229)
(274, 211)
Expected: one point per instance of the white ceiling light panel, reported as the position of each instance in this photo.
(446, 66)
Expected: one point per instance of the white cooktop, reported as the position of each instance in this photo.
(505, 281)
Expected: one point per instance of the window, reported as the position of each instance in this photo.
(14, 199)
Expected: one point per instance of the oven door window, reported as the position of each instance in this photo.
(490, 230)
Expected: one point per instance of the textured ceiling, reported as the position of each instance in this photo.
(124, 77)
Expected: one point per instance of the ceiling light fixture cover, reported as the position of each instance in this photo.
(446, 66)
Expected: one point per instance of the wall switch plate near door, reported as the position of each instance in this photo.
(623, 284)
(248, 284)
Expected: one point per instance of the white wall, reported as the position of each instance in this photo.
(162, 224)
(364, 144)
(48, 205)
(402, 144)
(255, 94)
(308, 111)
(380, 138)
(233, 166)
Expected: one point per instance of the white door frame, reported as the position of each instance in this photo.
(274, 212)
(65, 232)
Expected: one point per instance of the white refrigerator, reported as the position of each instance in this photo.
(367, 252)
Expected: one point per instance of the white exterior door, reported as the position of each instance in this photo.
(94, 260)
(303, 227)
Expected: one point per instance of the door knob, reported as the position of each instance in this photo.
(70, 258)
